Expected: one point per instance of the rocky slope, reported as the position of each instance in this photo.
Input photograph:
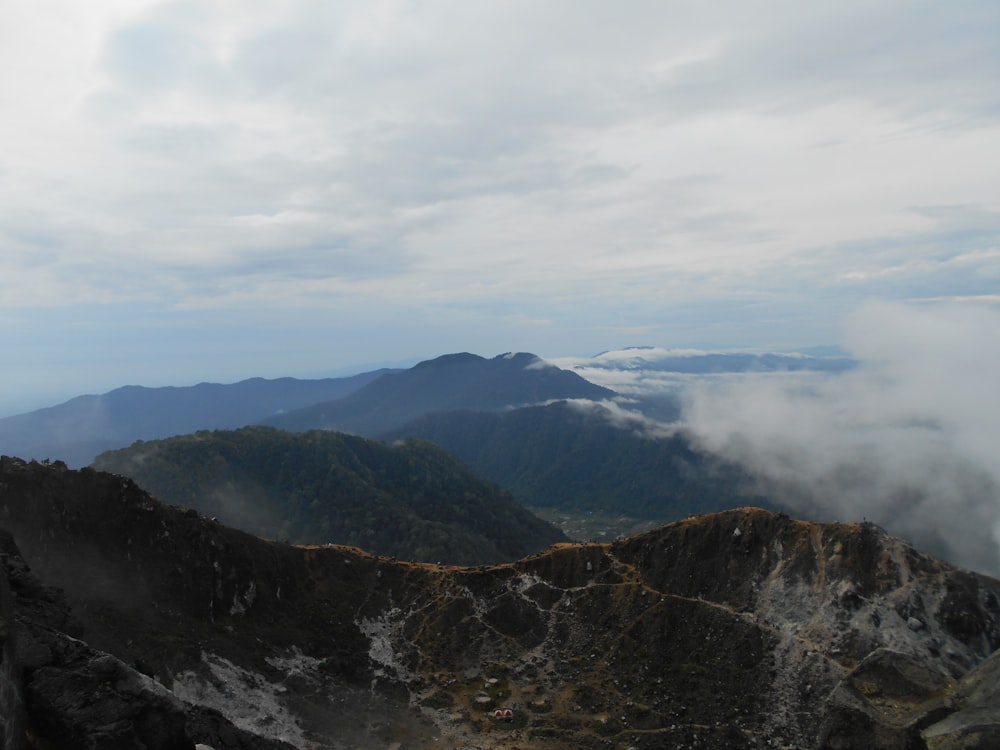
(58, 692)
(737, 629)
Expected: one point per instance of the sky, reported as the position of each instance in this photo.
(215, 190)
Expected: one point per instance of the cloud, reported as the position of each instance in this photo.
(344, 120)
(621, 413)
(910, 439)
(700, 175)
(899, 53)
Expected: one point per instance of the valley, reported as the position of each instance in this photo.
(587, 526)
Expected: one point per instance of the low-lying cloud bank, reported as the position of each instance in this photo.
(910, 439)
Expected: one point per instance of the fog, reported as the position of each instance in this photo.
(910, 439)
(623, 414)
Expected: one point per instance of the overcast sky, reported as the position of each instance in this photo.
(198, 191)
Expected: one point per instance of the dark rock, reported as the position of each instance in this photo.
(209, 727)
(975, 721)
(13, 718)
(883, 703)
(88, 699)
(58, 692)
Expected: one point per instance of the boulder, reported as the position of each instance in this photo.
(975, 722)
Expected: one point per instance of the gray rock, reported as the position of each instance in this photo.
(58, 692)
(975, 722)
(887, 698)
(94, 700)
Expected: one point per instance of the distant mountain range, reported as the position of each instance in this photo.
(410, 500)
(77, 430)
(366, 404)
(453, 382)
(536, 430)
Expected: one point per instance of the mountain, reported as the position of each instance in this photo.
(366, 404)
(584, 458)
(452, 382)
(741, 629)
(411, 500)
(77, 430)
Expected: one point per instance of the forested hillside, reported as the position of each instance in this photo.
(411, 500)
(579, 459)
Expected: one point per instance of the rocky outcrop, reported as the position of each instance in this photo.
(83, 698)
(58, 692)
(12, 714)
(737, 629)
(972, 719)
(62, 693)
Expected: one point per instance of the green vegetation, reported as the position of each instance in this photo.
(411, 500)
(580, 462)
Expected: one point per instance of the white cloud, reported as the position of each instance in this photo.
(619, 414)
(910, 439)
(734, 175)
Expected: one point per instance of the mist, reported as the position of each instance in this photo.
(910, 439)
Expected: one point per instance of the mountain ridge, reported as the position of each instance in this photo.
(449, 382)
(80, 428)
(738, 629)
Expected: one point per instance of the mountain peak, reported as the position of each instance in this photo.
(466, 359)
(450, 360)
(453, 382)
(519, 357)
